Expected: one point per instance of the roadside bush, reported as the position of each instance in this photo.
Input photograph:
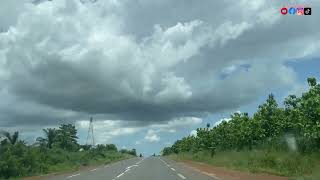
(57, 151)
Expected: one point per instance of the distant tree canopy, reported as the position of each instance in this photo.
(132, 151)
(58, 147)
(269, 127)
(111, 147)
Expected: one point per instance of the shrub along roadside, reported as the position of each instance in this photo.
(57, 151)
(21, 160)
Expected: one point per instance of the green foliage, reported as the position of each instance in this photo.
(58, 150)
(111, 147)
(18, 160)
(66, 137)
(260, 161)
(293, 128)
(167, 151)
(49, 139)
(12, 139)
(132, 152)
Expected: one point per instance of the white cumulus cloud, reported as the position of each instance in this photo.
(152, 137)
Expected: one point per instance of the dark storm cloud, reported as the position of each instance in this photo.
(144, 61)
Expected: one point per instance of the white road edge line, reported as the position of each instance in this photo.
(181, 176)
(74, 175)
(139, 161)
(164, 161)
(120, 175)
(211, 175)
(207, 174)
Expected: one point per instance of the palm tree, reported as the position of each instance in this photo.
(50, 136)
(12, 139)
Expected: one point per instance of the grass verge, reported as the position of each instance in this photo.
(294, 165)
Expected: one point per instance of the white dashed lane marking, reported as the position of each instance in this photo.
(120, 175)
(132, 166)
(178, 174)
(127, 169)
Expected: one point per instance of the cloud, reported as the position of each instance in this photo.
(172, 126)
(106, 131)
(152, 137)
(193, 133)
(176, 124)
(128, 60)
(18, 113)
(10, 10)
(221, 120)
(225, 119)
(297, 89)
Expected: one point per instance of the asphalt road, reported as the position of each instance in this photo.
(152, 168)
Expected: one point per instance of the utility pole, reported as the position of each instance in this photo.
(90, 137)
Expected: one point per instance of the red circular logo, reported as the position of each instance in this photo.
(284, 11)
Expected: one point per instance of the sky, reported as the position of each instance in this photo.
(148, 72)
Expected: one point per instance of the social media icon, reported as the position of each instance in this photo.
(300, 11)
(292, 10)
(307, 11)
(284, 11)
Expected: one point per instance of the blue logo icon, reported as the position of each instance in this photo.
(292, 10)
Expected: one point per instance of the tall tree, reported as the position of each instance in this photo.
(50, 137)
(268, 116)
(67, 137)
(12, 139)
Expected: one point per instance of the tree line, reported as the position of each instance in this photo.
(58, 149)
(293, 127)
